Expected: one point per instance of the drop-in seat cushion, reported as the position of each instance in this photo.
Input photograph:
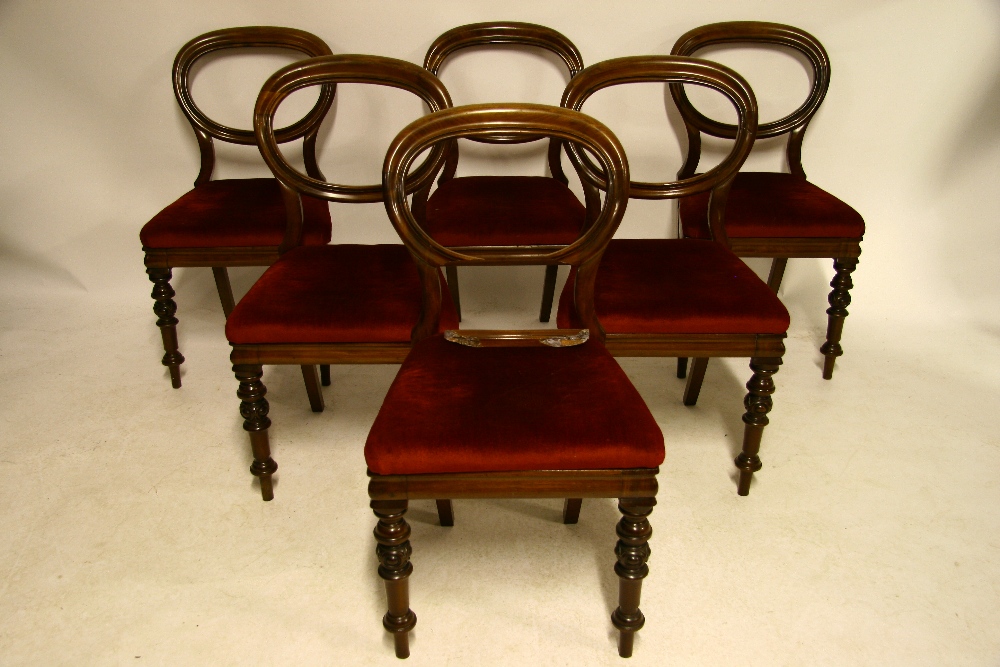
(774, 205)
(677, 286)
(335, 294)
(244, 212)
(457, 409)
(504, 210)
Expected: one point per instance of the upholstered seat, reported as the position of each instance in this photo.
(450, 410)
(668, 286)
(504, 210)
(233, 213)
(774, 205)
(334, 294)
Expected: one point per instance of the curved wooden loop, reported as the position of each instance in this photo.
(668, 69)
(248, 37)
(334, 69)
(505, 122)
(754, 32)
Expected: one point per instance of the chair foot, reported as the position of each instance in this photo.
(571, 510)
(548, 292)
(695, 379)
(758, 404)
(451, 273)
(392, 534)
(840, 299)
(324, 375)
(632, 551)
(224, 288)
(254, 408)
(165, 308)
(445, 513)
(682, 367)
(311, 378)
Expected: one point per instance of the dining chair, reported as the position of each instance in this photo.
(504, 210)
(686, 297)
(230, 222)
(768, 214)
(510, 414)
(326, 304)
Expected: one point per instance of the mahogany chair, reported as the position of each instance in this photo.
(776, 215)
(329, 304)
(230, 222)
(686, 297)
(510, 414)
(504, 210)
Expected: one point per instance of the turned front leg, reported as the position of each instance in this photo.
(632, 551)
(254, 409)
(840, 299)
(393, 550)
(758, 404)
(164, 307)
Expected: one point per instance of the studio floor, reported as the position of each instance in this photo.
(134, 533)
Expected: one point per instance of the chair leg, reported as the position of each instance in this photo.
(548, 292)
(571, 510)
(164, 308)
(840, 299)
(451, 273)
(225, 289)
(324, 375)
(311, 378)
(393, 550)
(697, 376)
(254, 409)
(632, 551)
(777, 273)
(758, 404)
(682, 367)
(445, 514)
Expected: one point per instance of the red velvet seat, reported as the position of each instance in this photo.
(233, 213)
(504, 210)
(765, 204)
(334, 294)
(451, 408)
(666, 286)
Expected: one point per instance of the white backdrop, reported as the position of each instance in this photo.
(93, 143)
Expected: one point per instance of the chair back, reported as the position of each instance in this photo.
(672, 70)
(504, 33)
(328, 71)
(753, 32)
(507, 123)
(206, 129)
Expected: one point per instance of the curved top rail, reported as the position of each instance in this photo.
(248, 37)
(335, 69)
(503, 32)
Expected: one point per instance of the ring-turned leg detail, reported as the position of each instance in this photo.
(393, 550)
(840, 299)
(632, 551)
(757, 403)
(165, 308)
(254, 409)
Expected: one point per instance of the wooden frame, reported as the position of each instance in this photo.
(160, 262)
(248, 359)
(843, 251)
(765, 350)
